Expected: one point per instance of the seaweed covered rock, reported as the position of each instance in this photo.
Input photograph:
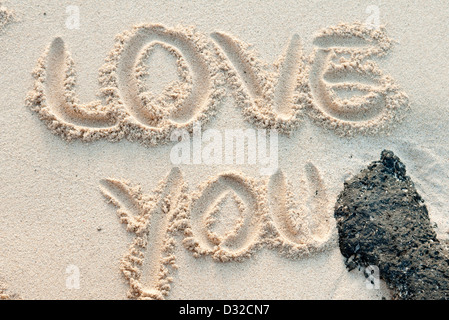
(382, 221)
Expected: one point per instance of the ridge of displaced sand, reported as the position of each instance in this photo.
(271, 97)
(170, 209)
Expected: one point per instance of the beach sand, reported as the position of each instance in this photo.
(234, 231)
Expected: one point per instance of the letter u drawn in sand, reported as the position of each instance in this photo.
(229, 217)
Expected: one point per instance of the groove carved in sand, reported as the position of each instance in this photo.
(152, 218)
(304, 226)
(242, 239)
(351, 94)
(267, 215)
(271, 97)
(127, 109)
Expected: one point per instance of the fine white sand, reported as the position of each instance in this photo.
(72, 138)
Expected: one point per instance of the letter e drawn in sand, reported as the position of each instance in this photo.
(338, 85)
(351, 94)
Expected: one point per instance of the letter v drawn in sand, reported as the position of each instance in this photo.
(269, 97)
(6, 17)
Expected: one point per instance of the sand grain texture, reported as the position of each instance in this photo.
(6, 17)
(90, 112)
(383, 221)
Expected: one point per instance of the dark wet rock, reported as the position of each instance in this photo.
(382, 221)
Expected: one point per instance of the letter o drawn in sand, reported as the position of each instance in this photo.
(192, 98)
(130, 110)
(240, 239)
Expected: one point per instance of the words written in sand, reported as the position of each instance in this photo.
(338, 85)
